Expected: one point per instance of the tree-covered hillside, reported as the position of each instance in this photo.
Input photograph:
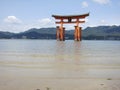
(89, 33)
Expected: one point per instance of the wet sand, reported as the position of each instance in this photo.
(58, 76)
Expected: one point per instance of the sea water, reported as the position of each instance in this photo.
(59, 65)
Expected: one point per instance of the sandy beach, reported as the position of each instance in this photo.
(55, 76)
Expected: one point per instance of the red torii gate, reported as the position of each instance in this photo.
(66, 20)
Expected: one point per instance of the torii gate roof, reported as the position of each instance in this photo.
(70, 16)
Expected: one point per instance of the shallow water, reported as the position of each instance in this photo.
(54, 65)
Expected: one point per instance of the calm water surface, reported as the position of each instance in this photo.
(43, 64)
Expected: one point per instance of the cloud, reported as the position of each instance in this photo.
(103, 21)
(102, 1)
(12, 20)
(11, 27)
(84, 4)
(44, 21)
(13, 24)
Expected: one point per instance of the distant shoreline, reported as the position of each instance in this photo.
(90, 33)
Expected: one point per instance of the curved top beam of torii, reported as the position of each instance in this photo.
(70, 16)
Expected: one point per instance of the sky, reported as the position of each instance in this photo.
(21, 15)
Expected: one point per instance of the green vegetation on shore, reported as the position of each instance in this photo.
(89, 33)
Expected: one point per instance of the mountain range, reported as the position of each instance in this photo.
(89, 33)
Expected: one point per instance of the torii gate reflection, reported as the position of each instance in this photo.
(60, 33)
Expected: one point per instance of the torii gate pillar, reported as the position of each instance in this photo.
(60, 32)
(78, 33)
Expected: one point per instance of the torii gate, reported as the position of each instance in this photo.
(60, 33)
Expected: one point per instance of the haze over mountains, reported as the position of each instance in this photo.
(89, 33)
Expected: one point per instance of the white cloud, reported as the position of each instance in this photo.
(84, 4)
(13, 24)
(105, 22)
(102, 1)
(102, 21)
(12, 20)
(44, 21)
(11, 28)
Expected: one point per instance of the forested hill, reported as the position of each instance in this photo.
(89, 33)
(102, 32)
